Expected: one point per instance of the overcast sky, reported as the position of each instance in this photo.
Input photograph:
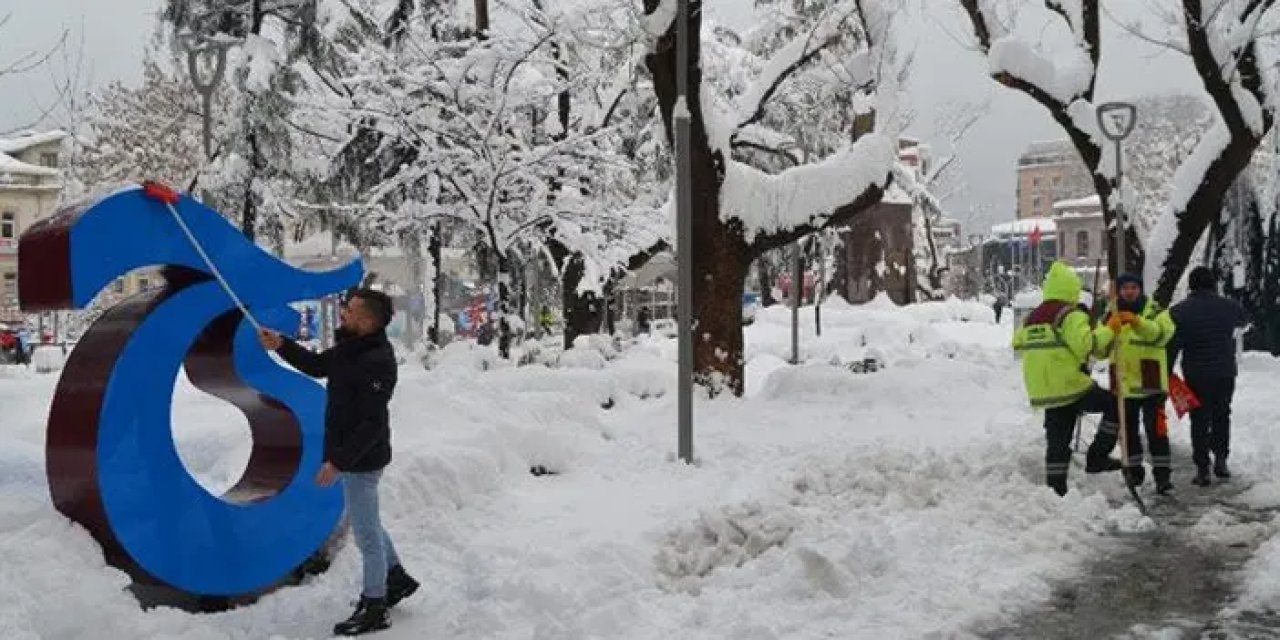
(114, 33)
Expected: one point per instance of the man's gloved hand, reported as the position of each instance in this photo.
(1132, 319)
(1115, 322)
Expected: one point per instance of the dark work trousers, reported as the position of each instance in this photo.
(1149, 411)
(1060, 426)
(1211, 422)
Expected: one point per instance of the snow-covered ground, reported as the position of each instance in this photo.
(1255, 453)
(907, 502)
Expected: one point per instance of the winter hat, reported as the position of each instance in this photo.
(1128, 278)
(1201, 279)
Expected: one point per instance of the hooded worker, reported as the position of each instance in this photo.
(1055, 343)
(1136, 334)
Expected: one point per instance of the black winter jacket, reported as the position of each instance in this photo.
(1206, 325)
(361, 374)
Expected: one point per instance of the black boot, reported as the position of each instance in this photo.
(1220, 467)
(1164, 486)
(1202, 478)
(1100, 464)
(370, 616)
(400, 585)
(1135, 476)
(1058, 484)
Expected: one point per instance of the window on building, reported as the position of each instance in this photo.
(10, 292)
(118, 286)
(1057, 181)
(8, 224)
(49, 160)
(143, 284)
(1036, 201)
(1082, 244)
(1035, 182)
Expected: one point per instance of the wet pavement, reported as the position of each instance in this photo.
(1171, 582)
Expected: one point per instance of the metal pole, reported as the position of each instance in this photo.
(1122, 264)
(797, 293)
(684, 244)
(435, 248)
(820, 288)
(206, 87)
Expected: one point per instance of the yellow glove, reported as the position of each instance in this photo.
(1132, 319)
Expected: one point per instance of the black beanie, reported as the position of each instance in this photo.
(1128, 278)
(1201, 279)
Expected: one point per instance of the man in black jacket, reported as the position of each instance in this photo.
(1206, 337)
(361, 372)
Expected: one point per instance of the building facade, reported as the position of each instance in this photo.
(30, 184)
(1049, 172)
(1082, 238)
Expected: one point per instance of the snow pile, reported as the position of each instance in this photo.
(879, 331)
(47, 359)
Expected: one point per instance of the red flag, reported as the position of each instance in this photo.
(1035, 236)
(1183, 398)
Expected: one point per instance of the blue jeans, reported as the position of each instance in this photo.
(376, 550)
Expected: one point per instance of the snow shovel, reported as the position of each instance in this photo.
(1117, 385)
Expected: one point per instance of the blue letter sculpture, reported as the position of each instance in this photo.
(111, 460)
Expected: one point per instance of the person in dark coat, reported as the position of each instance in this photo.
(1205, 338)
(998, 306)
(643, 320)
(361, 373)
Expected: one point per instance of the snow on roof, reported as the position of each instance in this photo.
(1079, 203)
(25, 141)
(1024, 227)
(13, 166)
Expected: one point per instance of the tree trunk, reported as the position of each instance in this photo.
(434, 249)
(504, 306)
(412, 243)
(766, 279)
(723, 256)
(482, 18)
(582, 312)
(1199, 212)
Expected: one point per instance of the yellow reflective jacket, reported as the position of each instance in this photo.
(1140, 356)
(1055, 342)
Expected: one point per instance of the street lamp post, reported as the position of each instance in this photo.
(211, 54)
(684, 243)
(797, 295)
(1117, 120)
